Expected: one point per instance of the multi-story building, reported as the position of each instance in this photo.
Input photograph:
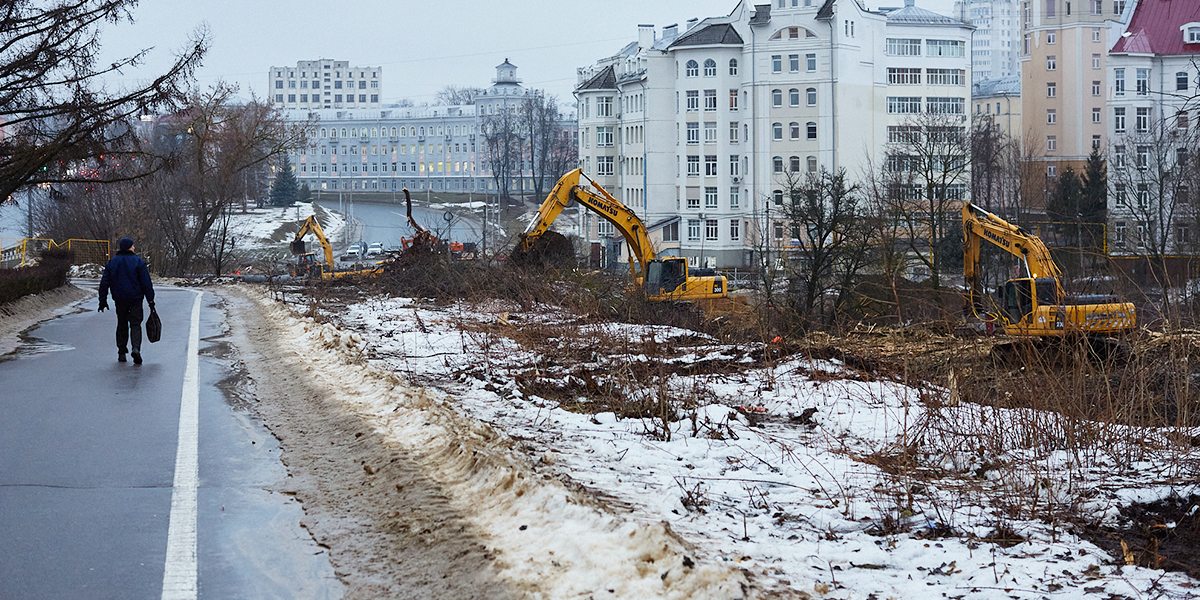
(1152, 131)
(386, 148)
(700, 130)
(999, 101)
(1063, 79)
(997, 37)
(325, 83)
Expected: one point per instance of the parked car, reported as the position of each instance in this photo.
(375, 249)
(354, 252)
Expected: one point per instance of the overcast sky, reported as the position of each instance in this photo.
(422, 46)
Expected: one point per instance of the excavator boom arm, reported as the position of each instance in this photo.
(979, 224)
(312, 226)
(599, 201)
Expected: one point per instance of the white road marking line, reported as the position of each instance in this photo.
(179, 575)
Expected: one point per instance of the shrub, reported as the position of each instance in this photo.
(50, 272)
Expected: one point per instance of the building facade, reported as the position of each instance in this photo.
(387, 148)
(1153, 177)
(699, 130)
(997, 38)
(325, 84)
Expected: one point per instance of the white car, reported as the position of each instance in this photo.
(375, 249)
(355, 251)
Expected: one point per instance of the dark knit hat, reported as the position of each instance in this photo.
(125, 243)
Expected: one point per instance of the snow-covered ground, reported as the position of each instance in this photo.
(799, 486)
(260, 228)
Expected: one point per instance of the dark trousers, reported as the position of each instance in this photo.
(129, 325)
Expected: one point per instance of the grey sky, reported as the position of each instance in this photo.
(422, 46)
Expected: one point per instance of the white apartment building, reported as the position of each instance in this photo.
(997, 40)
(374, 148)
(1152, 131)
(325, 83)
(698, 130)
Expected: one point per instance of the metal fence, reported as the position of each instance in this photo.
(22, 252)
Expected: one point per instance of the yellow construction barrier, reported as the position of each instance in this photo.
(22, 252)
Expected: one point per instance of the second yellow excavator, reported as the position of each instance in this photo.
(307, 264)
(1035, 305)
(663, 278)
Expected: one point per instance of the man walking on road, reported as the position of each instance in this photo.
(129, 279)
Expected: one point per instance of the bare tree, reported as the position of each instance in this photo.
(925, 178)
(502, 140)
(453, 95)
(220, 145)
(53, 101)
(543, 123)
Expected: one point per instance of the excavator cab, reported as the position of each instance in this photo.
(1018, 299)
(665, 275)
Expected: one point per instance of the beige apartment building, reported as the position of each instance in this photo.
(1063, 85)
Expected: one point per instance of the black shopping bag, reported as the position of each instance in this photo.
(153, 327)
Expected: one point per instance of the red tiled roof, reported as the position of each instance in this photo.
(1154, 27)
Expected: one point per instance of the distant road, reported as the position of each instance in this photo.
(387, 223)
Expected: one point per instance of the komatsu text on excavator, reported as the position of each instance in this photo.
(666, 278)
(1034, 305)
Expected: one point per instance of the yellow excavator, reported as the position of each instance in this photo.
(307, 264)
(1035, 305)
(667, 278)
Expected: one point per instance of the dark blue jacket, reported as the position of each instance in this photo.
(128, 278)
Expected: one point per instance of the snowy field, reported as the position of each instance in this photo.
(807, 475)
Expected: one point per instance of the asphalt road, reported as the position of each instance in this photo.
(113, 474)
(387, 223)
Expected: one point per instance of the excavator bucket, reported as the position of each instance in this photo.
(298, 247)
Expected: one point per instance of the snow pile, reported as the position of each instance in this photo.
(550, 541)
(809, 485)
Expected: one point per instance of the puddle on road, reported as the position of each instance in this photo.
(32, 346)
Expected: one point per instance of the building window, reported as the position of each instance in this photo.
(1181, 81)
(291, 97)
(810, 61)
(710, 229)
(694, 229)
(1051, 37)
(794, 164)
(811, 94)
(1096, 88)
(604, 165)
(710, 100)
(903, 76)
(604, 137)
(1143, 156)
(945, 77)
(1095, 141)
(1119, 119)
(793, 97)
(1051, 63)
(710, 198)
(693, 165)
(1051, 116)
(945, 106)
(794, 63)
(812, 164)
(1119, 232)
(1051, 171)
(733, 198)
(733, 66)
(1119, 156)
(734, 166)
(1143, 120)
(733, 100)
(776, 63)
(811, 128)
(710, 68)
(1181, 119)
(777, 164)
(692, 69)
(1051, 143)
(903, 47)
(1097, 7)
(1051, 90)
(795, 130)
(733, 132)
(1095, 115)
(693, 100)
(776, 98)
(735, 232)
(952, 48)
(777, 132)
(1143, 81)
(604, 106)
(1119, 81)
(279, 97)
(904, 105)
(1193, 35)
(1050, 7)
(710, 165)
(710, 132)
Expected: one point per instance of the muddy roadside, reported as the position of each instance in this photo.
(18, 316)
(390, 530)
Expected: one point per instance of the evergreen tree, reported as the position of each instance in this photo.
(284, 191)
(305, 194)
(1094, 203)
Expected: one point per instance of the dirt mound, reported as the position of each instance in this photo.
(552, 249)
(1158, 535)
